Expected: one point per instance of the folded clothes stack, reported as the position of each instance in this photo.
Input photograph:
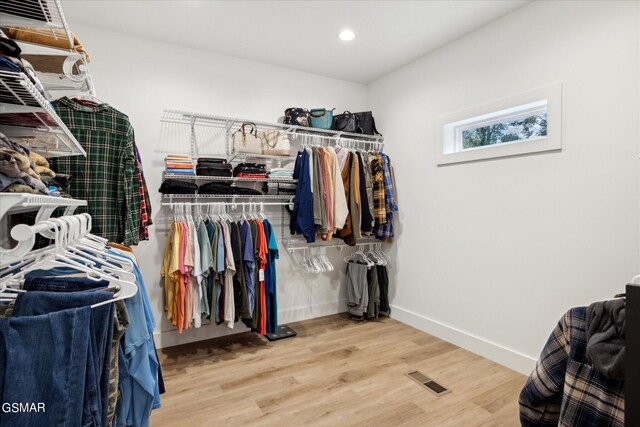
(209, 166)
(216, 188)
(11, 60)
(276, 188)
(24, 171)
(179, 164)
(282, 173)
(173, 186)
(250, 170)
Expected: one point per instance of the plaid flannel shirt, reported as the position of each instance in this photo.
(565, 389)
(143, 231)
(385, 231)
(379, 208)
(107, 178)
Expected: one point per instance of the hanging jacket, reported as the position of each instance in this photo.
(569, 385)
(302, 214)
(340, 210)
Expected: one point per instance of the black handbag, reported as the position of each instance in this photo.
(346, 122)
(296, 116)
(367, 123)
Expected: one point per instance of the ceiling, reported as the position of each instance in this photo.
(301, 35)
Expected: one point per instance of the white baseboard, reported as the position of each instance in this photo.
(172, 338)
(505, 356)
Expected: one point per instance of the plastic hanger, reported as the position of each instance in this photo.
(57, 258)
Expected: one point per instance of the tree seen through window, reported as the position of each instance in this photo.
(526, 128)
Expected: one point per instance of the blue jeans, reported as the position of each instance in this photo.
(43, 359)
(66, 295)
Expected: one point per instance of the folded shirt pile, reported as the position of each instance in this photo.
(179, 164)
(11, 60)
(209, 166)
(173, 186)
(250, 170)
(281, 173)
(24, 171)
(277, 188)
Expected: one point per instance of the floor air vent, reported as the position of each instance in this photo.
(428, 383)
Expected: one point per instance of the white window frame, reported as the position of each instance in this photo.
(449, 127)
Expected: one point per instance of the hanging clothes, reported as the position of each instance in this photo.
(385, 230)
(271, 279)
(221, 270)
(343, 193)
(579, 377)
(106, 362)
(302, 215)
(107, 178)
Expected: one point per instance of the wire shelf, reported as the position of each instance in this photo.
(11, 203)
(59, 69)
(27, 118)
(246, 156)
(34, 14)
(177, 116)
(229, 196)
(227, 179)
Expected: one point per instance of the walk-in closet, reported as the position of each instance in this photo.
(336, 213)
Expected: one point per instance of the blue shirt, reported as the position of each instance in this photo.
(302, 214)
(139, 390)
(249, 267)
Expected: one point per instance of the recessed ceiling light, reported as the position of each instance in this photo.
(347, 35)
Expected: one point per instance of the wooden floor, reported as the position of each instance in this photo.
(336, 372)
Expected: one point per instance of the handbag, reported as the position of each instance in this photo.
(321, 118)
(367, 123)
(346, 122)
(247, 142)
(275, 143)
(296, 116)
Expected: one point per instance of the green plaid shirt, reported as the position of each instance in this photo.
(108, 177)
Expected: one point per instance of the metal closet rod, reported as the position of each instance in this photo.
(225, 204)
(335, 245)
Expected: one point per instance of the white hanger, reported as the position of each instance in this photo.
(57, 258)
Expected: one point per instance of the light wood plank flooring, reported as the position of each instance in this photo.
(336, 372)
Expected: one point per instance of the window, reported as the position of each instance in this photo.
(522, 124)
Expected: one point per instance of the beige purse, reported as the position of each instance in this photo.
(275, 143)
(247, 142)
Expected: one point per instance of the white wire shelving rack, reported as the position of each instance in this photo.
(171, 197)
(34, 14)
(27, 118)
(16, 203)
(230, 124)
(46, 18)
(227, 179)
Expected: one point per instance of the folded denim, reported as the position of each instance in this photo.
(6, 64)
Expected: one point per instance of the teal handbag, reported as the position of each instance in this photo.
(321, 118)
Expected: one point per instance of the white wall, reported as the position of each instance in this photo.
(141, 77)
(490, 254)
